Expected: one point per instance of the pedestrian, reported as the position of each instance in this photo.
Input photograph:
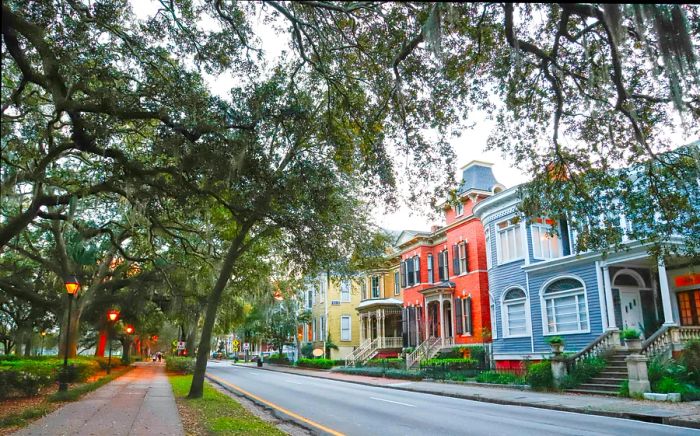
(160, 356)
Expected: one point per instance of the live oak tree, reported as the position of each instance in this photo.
(299, 144)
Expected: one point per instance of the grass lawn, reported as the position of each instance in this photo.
(216, 413)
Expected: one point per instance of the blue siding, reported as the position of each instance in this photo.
(576, 341)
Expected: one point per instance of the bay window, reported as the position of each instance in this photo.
(545, 245)
(509, 240)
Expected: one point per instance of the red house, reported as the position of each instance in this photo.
(443, 273)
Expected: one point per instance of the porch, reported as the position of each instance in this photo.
(438, 323)
(380, 330)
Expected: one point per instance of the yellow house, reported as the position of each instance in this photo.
(332, 302)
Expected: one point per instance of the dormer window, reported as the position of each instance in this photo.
(459, 209)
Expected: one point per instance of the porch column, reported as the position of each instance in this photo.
(362, 328)
(665, 294)
(442, 321)
(427, 332)
(601, 295)
(609, 299)
(380, 326)
(417, 328)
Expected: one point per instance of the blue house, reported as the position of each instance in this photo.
(540, 285)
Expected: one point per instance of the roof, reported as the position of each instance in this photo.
(379, 302)
(477, 176)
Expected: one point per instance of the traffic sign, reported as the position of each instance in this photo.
(181, 345)
(236, 342)
(246, 346)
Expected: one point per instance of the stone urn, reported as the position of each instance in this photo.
(557, 347)
(634, 345)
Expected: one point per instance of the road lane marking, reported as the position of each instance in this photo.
(390, 401)
(275, 406)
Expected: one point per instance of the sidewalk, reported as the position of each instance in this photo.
(680, 414)
(141, 402)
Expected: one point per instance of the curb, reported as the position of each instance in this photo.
(668, 420)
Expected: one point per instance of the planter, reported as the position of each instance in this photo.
(557, 348)
(634, 345)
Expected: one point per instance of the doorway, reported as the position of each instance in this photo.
(631, 307)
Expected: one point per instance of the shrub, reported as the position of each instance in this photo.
(375, 371)
(319, 363)
(691, 359)
(403, 374)
(307, 350)
(451, 364)
(184, 365)
(583, 371)
(539, 376)
(630, 333)
(386, 363)
(278, 359)
(624, 389)
(500, 378)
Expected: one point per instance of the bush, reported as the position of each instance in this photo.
(319, 363)
(500, 378)
(583, 371)
(691, 359)
(307, 350)
(375, 371)
(386, 363)
(451, 364)
(280, 359)
(183, 365)
(555, 340)
(539, 376)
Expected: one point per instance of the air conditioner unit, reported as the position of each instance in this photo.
(335, 302)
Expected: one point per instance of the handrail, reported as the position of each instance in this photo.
(653, 338)
(352, 357)
(665, 337)
(598, 346)
(422, 351)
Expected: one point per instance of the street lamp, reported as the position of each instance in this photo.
(129, 330)
(112, 316)
(43, 334)
(72, 287)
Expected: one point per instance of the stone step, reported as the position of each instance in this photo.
(617, 381)
(592, 392)
(613, 374)
(599, 387)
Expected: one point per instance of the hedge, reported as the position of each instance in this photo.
(377, 371)
(26, 376)
(386, 363)
(319, 363)
(539, 376)
(452, 363)
(184, 365)
(500, 378)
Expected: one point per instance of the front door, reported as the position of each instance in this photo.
(631, 306)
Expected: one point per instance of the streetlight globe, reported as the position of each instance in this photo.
(129, 329)
(72, 285)
(112, 315)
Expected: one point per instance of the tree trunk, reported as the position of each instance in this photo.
(191, 337)
(74, 332)
(197, 388)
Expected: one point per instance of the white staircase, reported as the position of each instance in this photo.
(368, 349)
(424, 351)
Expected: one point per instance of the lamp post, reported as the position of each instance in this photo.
(129, 330)
(112, 316)
(72, 287)
(43, 334)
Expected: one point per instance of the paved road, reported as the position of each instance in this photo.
(353, 409)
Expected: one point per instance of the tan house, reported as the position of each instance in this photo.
(332, 302)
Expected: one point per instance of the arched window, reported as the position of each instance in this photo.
(566, 307)
(514, 313)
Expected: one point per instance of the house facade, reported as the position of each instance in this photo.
(443, 275)
(332, 302)
(540, 285)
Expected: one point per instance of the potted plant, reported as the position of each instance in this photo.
(557, 344)
(631, 337)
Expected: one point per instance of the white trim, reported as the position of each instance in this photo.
(556, 238)
(349, 328)
(630, 272)
(601, 296)
(494, 318)
(523, 240)
(504, 314)
(543, 307)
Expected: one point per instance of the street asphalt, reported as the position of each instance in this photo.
(335, 407)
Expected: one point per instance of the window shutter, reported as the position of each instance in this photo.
(417, 262)
(403, 274)
(468, 316)
(419, 322)
(458, 316)
(441, 262)
(466, 257)
(447, 266)
(455, 259)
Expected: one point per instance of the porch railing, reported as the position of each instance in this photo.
(390, 342)
(424, 351)
(351, 358)
(602, 344)
(663, 340)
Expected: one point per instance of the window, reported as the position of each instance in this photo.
(459, 209)
(509, 240)
(689, 307)
(514, 313)
(345, 291)
(363, 288)
(544, 244)
(430, 269)
(322, 329)
(463, 316)
(492, 308)
(322, 291)
(375, 286)
(313, 329)
(487, 241)
(309, 298)
(345, 330)
(462, 258)
(397, 289)
(565, 306)
(409, 272)
(443, 270)
(402, 272)
(416, 269)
